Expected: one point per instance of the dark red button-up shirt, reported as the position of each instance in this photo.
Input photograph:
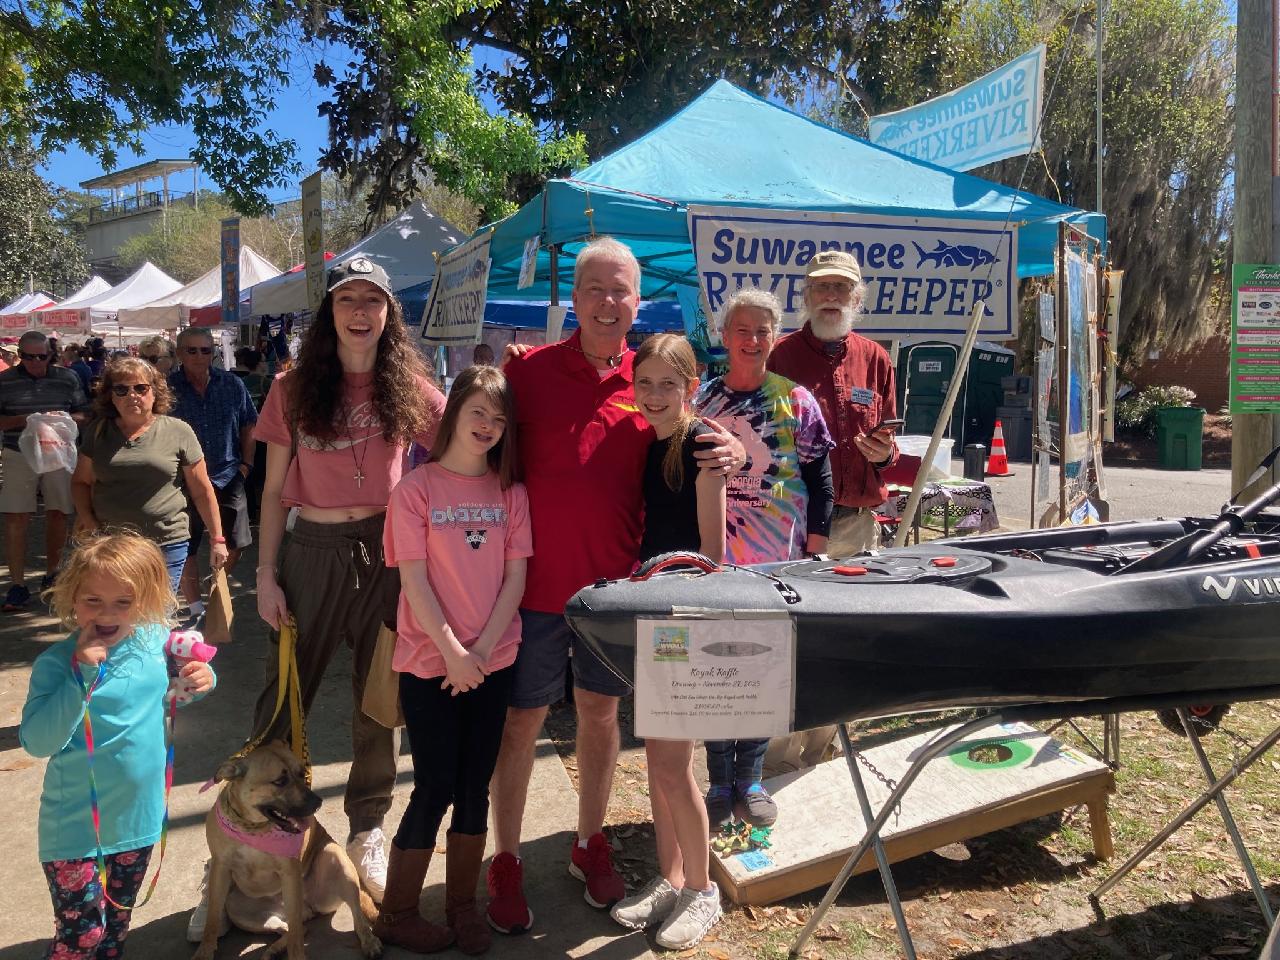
(854, 386)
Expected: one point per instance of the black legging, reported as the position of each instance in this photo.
(454, 742)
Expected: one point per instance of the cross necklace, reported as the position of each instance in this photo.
(358, 476)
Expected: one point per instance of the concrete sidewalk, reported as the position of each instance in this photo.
(565, 926)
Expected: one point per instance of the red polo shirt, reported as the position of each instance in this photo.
(854, 386)
(582, 451)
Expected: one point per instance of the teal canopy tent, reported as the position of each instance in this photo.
(729, 147)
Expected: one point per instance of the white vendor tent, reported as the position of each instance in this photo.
(406, 248)
(13, 316)
(174, 310)
(97, 313)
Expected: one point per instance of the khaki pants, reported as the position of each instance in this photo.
(853, 530)
(339, 590)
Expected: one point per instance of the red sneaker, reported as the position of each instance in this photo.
(594, 867)
(508, 911)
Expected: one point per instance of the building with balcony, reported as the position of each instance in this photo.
(131, 202)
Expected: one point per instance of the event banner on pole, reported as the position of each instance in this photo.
(313, 239)
(230, 271)
(993, 118)
(1255, 338)
(455, 312)
(729, 679)
(923, 275)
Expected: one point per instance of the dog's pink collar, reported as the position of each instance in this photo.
(276, 842)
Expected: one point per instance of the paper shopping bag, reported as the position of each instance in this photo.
(218, 614)
(382, 686)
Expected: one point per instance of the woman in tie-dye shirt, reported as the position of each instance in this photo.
(778, 505)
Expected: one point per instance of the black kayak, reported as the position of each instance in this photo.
(1167, 611)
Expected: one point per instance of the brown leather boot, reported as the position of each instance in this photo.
(399, 921)
(463, 855)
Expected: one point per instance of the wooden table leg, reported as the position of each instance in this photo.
(1100, 828)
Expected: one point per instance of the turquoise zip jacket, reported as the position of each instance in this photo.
(127, 711)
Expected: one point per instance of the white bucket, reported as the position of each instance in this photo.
(917, 446)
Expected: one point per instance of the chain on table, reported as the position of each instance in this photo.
(887, 781)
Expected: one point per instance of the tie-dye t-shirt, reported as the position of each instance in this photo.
(781, 427)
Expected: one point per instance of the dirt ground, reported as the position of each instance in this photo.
(1022, 893)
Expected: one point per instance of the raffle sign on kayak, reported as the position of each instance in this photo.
(714, 679)
(1255, 338)
(923, 274)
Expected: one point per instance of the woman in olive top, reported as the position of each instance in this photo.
(137, 467)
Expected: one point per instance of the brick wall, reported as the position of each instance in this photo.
(1204, 369)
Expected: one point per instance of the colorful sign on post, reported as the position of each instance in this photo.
(1255, 338)
(923, 275)
(993, 118)
(313, 239)
(455, 311)
(230, 271)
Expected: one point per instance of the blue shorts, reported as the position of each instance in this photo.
(542, 663)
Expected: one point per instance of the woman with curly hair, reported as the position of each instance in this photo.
(137, 467)
(337, 427)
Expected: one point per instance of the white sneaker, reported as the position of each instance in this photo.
(199, 916)
(651, 905)
(693, 915)
(368, 852)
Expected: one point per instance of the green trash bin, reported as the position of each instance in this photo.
(1180, 437)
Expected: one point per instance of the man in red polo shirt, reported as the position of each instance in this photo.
(582, 447)
(853, 381)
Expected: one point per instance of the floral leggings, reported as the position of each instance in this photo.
(85, 925)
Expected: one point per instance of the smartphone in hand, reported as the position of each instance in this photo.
(890, 425)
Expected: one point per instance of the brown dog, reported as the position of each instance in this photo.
(270, 858)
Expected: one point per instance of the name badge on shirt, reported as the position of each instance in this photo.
(861, 396)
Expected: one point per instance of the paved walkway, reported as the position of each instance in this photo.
(209, 731)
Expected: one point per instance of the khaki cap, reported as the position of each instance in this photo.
(834, 263)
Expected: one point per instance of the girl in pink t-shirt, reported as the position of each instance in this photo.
(458, 529)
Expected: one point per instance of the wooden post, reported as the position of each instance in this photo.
(1251, 433)
(1062, 376)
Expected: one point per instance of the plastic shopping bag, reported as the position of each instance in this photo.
(49, 442)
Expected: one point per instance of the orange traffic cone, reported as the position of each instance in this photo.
(998, 462)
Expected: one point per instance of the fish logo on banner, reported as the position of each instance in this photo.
(993, 118)
(923, 275)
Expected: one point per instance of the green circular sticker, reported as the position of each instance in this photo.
(994, 754)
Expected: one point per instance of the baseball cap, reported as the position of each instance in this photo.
(359, 268)
(834, 263)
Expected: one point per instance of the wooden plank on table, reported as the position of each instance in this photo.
(819, 823)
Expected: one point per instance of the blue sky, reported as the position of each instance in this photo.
(294, 118)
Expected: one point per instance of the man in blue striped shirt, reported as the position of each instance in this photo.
(218, 407)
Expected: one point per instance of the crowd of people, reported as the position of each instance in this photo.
(472, 556)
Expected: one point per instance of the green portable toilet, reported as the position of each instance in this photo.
(924, 375)
(988, 365)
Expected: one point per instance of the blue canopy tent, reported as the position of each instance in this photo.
(729, 147)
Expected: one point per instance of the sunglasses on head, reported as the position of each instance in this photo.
(122, 389)
(33, 356)
(194, 350)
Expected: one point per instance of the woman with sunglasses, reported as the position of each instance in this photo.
(135, 463)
